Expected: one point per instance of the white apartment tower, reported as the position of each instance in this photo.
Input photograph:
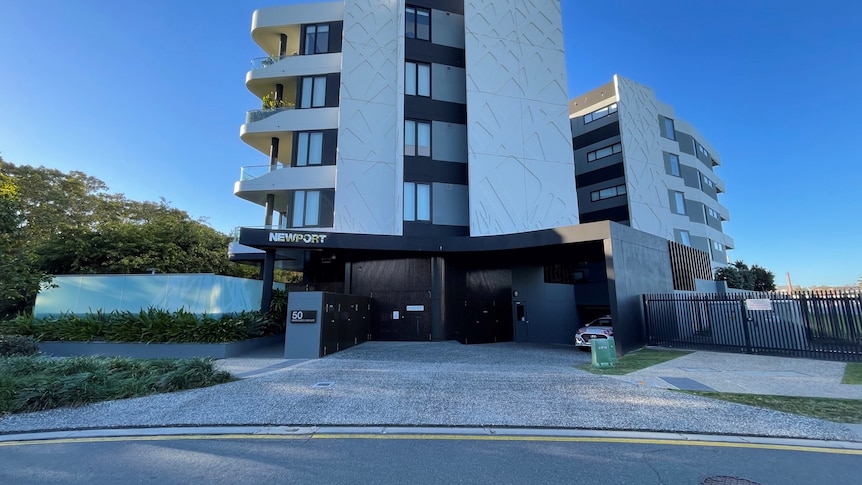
(424, 118)
(419, 153)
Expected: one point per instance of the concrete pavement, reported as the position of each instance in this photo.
(507, 385)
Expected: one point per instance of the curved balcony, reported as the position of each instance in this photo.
(257, 181)
(268, 24)
(264, 124)
(285, 69)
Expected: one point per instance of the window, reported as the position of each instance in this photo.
(604, 152)
(309, 148)
(712, 213)
(306, 208)
(707, 181)
(600, 113)
(607, 193)
(313, 92)
(417, 79)
(417, 202)
(702, 150)
(717, 246)
(669, 131)
(417, 23)
(685, 237)
(417, 138)
(674, 164)
(317, 39)
(679, 200)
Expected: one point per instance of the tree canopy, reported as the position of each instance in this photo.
(740, 276)
(68, 223)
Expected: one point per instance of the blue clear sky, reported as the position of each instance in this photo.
(149, 97)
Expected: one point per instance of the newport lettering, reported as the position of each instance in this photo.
(290, 237)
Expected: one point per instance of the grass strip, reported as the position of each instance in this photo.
(36, 383)
(633, 361)
(852, 373)
(832, 409)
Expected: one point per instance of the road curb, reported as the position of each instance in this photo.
(393, 432)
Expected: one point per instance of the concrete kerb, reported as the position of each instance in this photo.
(358, 432)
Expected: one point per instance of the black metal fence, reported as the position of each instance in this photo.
(814, 325)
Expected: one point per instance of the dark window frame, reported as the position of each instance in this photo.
(416, 69)
(596, 195)
(613, 148)
(414, 217)
(317, 37)
(412, 33)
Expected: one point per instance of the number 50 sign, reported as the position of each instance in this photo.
(303, 316)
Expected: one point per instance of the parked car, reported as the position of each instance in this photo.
(601, 327)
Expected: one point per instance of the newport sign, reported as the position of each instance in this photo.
(290, 237)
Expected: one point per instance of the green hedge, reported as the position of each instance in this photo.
(18, 345)
(152, 325)
(37, 383)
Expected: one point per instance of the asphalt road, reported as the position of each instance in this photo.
(395, 459)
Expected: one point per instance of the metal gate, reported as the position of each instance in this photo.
(813, 325)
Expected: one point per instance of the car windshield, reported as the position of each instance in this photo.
(602, 322)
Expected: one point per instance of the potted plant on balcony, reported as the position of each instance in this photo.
(270, 101)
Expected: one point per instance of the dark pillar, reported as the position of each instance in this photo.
(279, 93)
(438, 299)
(348, 269)
(270, 198)
(282, 45)
(268, 272)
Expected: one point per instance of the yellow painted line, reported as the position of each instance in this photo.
(444, 437)
(591, 439)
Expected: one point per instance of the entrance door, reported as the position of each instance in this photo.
(522, 333)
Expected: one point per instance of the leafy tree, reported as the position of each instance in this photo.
(740, 276)
(19, 280)
(764, 280)
(67, 223)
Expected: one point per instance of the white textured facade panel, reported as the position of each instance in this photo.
(543, 121)
(368, 197)
(538, 23)
(521, 169)
(491, 18)
(646, 186)
(494, 125)
(368, 186)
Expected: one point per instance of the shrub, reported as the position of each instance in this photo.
(150, 325)
(35, 383)
(18, 345)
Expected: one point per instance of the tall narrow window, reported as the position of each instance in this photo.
(313, 92)
(306, 208)
(309, 149)
(417, 23)
(417, 138)
(317, 39)
(674, 164)
(685, 237)
(417, 79)
(679, 201)
(417, 202)
(669, 131)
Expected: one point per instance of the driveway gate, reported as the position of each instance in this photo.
(813, 325)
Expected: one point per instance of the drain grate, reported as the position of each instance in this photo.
(726, 480)
(323, 385)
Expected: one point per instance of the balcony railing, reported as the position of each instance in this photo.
(262, 62)
(250, 172)
(260, 114)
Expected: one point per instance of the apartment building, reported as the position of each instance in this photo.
(638, 164)
(420, 153)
